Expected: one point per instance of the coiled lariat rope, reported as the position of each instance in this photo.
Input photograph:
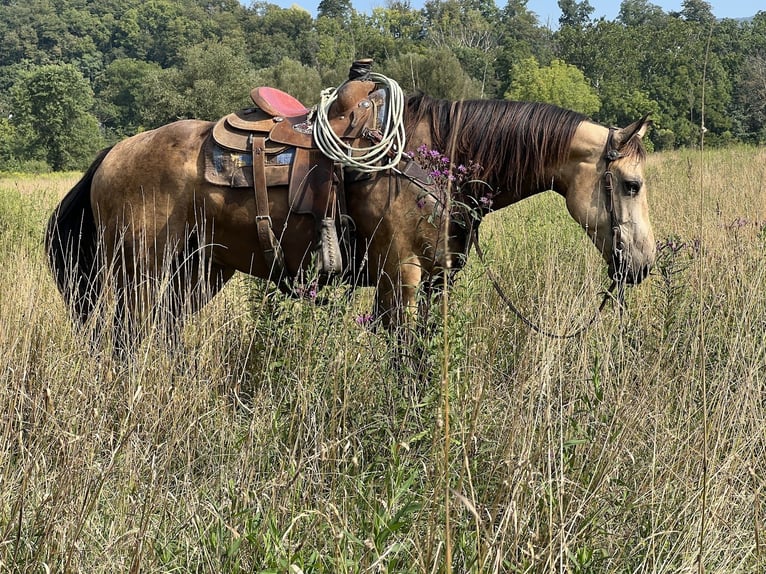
(381, 155)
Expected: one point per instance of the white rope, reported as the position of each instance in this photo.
(375, 157)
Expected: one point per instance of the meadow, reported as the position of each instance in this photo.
(284, 438)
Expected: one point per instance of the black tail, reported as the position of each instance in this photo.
(72, 246)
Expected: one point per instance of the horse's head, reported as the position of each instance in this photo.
(606, 193)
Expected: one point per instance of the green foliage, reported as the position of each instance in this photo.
(435, 72)
(574, 14)
(51, 112)
(621, 106)
(521, 37)
(749, 103)
(301, 82)
(160, 31)
(559, 83)
(335, 9)
(336, 50)
(138, 59)
(212, 67)
(273, 33)
(635, 13)
(122, 94)
(8, 141)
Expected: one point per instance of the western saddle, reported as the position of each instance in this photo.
(275, 139)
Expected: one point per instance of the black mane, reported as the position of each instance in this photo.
(513, 142)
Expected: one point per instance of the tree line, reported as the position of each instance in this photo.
(76, 75)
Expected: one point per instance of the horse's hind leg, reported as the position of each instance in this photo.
(144, 277)
(155, 298)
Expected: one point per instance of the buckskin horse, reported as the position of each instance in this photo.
(148, 220)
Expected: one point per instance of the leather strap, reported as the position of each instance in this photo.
(272, 250)
(347, 226)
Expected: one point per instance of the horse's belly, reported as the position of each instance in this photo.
(231, 217)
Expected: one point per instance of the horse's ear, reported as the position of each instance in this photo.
(636, 129)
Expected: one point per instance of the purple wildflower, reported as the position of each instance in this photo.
(364, 319)
(309, 291)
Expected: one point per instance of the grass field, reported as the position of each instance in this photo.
(283, 440)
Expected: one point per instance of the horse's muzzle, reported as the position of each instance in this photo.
(624, 273)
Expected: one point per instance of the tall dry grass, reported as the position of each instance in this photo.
(283, 439)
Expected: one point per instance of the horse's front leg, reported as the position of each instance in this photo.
(396, 304)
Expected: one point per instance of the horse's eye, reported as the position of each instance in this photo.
(632, 186)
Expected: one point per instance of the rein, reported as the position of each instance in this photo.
(608, 294)
(611, 154)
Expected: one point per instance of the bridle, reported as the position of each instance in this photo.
(610, 155)
(615, 292)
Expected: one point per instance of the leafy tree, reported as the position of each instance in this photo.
(673, 72)
(435, 72)
(291, 76)
(386, 32)
(213, 79)
(400, 21)
(621, 105)
(274, 33)
(749, 104)
(8, 147)
(468, 28)
(697, 11)
(574, 14)
(617, 80)
(159, 31)
(752, 98)
(634, 13)
(121, 99)
(336, 50)
(336, 9)
(51, 113)
(560, 83)
(574, 23)
(521, 37)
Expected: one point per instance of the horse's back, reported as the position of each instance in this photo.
(152, 156)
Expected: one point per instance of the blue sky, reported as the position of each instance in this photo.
(548, 10)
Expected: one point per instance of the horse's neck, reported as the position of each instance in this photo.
(493, 185)
(506, 198)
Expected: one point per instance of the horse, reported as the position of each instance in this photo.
(145, 222)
